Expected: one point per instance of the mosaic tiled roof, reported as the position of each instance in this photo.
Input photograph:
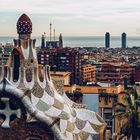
(24, 25)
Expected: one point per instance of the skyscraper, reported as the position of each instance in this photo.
(123, 40)
(107, 40)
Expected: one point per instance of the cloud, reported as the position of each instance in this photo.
(87, 10)
(77, 7)
(138, 31)
(77, 14)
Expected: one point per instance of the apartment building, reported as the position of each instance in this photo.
(5, 51)
(115, 73)
(88, 73)
(64, 60)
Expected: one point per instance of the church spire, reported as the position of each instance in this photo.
(60, 41)
(54, 34)
(43, 40)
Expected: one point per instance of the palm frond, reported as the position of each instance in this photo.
(135, 93)
(129, 101)
(118, 110)
(120, 104)
(138, 101)
(120, 107)
(123, 115)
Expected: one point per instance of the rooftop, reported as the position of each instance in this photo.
(59, 74)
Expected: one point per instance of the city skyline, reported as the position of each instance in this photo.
(69, 17)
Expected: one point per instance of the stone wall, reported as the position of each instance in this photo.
(20, 128)
(24, 131)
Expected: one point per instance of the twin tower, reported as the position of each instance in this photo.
(107, 40)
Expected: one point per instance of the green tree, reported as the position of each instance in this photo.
(129, 110)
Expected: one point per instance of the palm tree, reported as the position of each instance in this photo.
(129, 110)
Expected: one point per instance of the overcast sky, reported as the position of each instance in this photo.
(73, 17)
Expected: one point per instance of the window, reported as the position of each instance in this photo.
(62, 57)
(16, 59)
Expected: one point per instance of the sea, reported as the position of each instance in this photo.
(86, 41)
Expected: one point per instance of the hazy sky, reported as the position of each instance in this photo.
(73, 17)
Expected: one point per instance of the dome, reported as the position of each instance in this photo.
(24, 25)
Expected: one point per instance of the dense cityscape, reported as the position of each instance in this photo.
(112, 74)
(69, 70)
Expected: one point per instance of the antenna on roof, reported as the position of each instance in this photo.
(50, 31)
(54, 34)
